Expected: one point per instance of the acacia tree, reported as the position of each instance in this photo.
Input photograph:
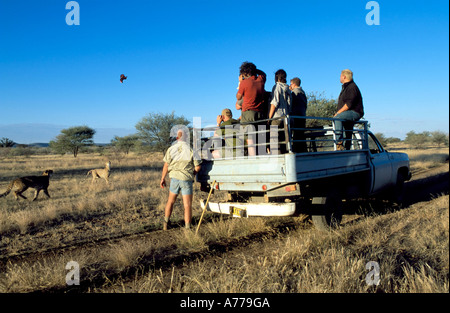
(125, 143)
(72, 139)
(154, 129)
(382, 139)
(319, 106)
(417, 140)
(6, 143)
(439, 138)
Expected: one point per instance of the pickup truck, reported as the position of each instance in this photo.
(314, 181)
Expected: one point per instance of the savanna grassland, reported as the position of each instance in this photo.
(113, 231)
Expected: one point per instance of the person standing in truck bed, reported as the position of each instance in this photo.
(251, 90)
(298, 108)
(280, 106)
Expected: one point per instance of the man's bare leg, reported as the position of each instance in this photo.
(169, 208)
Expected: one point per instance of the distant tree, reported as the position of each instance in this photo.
(23, 150)
(319, 106)
(390, 140)
(439, 138)
(154, 129)
(419, 140)
(126, 143)
(6, 143)
(381, 138)
(72, 139)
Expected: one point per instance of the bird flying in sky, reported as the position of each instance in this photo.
(122, 78)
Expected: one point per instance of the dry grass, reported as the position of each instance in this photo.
(218, 230)
(80, 213)
(411, 245)
(79, 210)
(423, 159)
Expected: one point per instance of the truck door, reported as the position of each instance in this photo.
(382, 166)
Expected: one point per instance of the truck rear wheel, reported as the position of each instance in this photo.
(326, 222)
(397, 194)
(329, 215)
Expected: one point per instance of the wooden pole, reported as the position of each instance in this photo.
(206, 204)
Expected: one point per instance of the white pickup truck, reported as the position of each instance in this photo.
(313, 182)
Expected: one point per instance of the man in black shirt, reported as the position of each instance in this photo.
(298, 108)
(350, 109)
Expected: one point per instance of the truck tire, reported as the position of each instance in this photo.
(329, 216)
(397, 194)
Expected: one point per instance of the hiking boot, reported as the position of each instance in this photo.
(340, 146)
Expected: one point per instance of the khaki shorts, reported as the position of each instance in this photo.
(251, 116)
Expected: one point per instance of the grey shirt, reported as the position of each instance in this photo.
(281, 99)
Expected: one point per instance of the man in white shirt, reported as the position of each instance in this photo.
(280, 105)
(181, 166)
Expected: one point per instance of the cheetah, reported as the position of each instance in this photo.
(23, 183)
(101, 173)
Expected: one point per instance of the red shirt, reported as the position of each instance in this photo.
(252, 89)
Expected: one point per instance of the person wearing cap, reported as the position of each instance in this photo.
(180, 164)
(232, 140)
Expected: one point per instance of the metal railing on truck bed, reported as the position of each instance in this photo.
(295, 134)
(228, 159)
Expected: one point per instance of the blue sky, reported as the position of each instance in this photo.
(184, 56)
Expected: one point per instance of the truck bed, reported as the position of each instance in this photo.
(267, 172)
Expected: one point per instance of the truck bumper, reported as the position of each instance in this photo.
(250, 209)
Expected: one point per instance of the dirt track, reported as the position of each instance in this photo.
(428, 184)
(423, 187)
